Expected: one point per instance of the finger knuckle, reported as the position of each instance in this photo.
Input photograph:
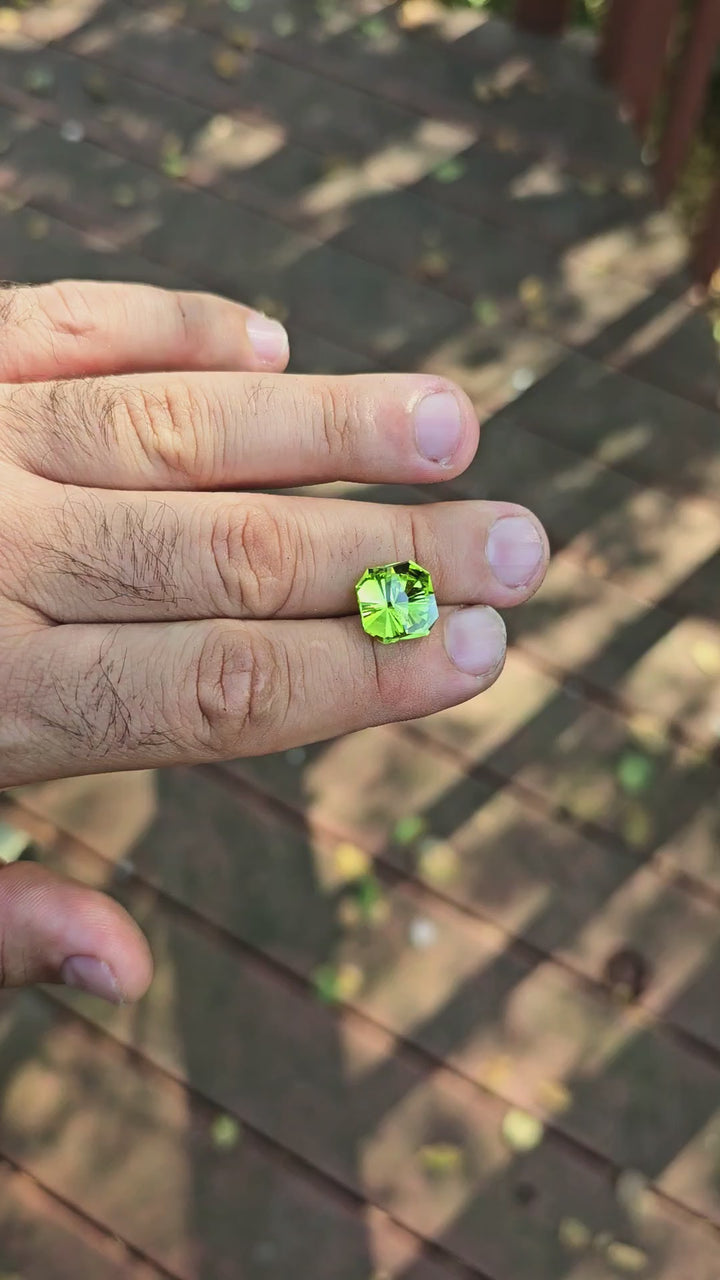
(168, 422)
(69, 308)
(240, 692)
(254, 559)
(333, 420)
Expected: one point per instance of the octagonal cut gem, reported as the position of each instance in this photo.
(397, 602)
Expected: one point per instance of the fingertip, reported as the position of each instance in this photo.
(476, 642)
(518, 551)
(446, 429)
(269, 341)
(109, 955)
(60, 931)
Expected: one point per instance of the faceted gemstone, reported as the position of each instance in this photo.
(397, 602)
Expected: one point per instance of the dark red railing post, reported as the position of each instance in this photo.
(546, 17)
(706, 258)
(688, 97)
(634, 51)
(612, 41)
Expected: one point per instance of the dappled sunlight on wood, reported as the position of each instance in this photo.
(434, 995)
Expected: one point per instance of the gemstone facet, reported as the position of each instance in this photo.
(397, 602)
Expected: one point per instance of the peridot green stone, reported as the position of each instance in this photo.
(397, 602)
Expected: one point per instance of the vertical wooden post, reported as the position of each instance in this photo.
(688, 98)
(546, 17)
(612, 42)
(634, 51)
(643, 75)
(706, 258)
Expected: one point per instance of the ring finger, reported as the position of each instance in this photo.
(144, 695)
(101, 556)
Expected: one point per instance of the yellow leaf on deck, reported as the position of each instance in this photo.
(418, 13)
(637, 827)
(226, 63)
(625, 1257)
(351, 863)
(554, 1096)
(706, 656)
(9, 20)
(438, 862)
(521, 1131)
(433, 265)
(241, 37)
(507, 140)
(573, 1234)
(494, 1073)
(38, 226)
(531, 291)
(632, 1191)
(441, 1158)
(649, 730)
(348, 981)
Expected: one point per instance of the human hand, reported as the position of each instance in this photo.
(151, 616)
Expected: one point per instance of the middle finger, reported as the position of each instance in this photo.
(98, 555)
(215, 431)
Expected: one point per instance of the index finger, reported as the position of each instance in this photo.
(79, 328)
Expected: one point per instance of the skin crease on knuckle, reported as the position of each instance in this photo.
(242, 690)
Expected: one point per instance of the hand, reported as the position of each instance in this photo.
(152, 616)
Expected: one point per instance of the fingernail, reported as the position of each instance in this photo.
(438, 426)
(476, 640)
(268, 338)
(514, 550)
(85, 973)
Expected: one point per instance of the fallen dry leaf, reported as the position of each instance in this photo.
(521, 1131)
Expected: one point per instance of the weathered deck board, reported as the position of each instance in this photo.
(543, 260)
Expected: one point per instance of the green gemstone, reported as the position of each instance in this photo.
(397, 602)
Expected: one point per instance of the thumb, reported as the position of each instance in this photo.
(55, 930)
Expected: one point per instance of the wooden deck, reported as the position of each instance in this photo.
(541, 931)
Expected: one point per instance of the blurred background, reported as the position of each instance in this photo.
(441, 1000)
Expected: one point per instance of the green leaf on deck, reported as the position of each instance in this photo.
(450, 170)
(39, 80)
(374, 28)
(634, 773)
(124, 196)
(370, 899)
(486, 312)
(225, 1133)
(334, 983)
(408, 830)
(284, 25)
